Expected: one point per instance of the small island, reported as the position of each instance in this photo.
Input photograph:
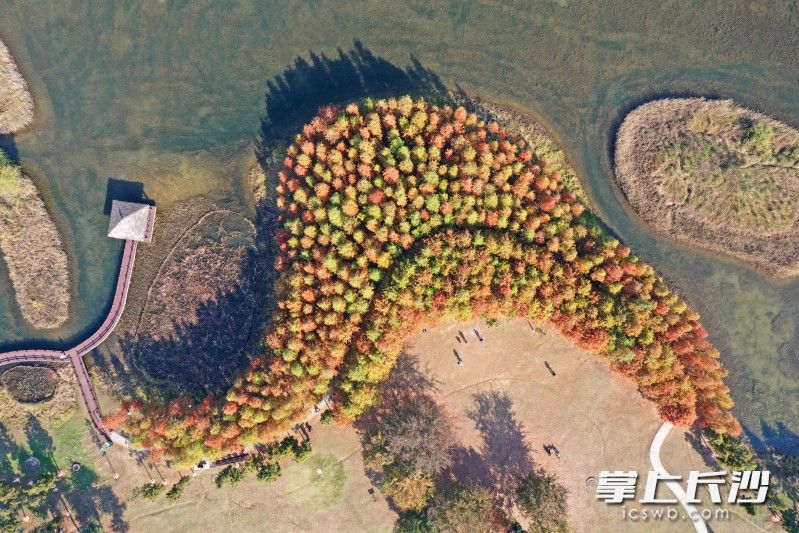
(16, 104)
(714, 175)
(32, 250)
(30, 243)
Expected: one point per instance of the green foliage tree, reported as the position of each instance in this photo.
(92, 527)
(790, 521)
(289, 447)
(53, 525)
(542, 500)
(149, 491)
(231, 475)
(176, 491)
(28, 494)
(413, 522)
(731, 452)
(464, 509)
(409, 490)
(268, 472)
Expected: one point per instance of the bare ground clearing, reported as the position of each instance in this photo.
(596, 419)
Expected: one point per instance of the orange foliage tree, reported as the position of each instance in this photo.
(398, 214)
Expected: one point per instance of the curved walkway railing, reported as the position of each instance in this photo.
(75, 354)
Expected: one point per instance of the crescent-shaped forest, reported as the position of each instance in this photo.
(396, 215)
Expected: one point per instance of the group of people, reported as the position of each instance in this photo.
(460, 337)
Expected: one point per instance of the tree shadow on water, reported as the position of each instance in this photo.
(780, 437)
(9, 147)
(293, 97)
(775, 437)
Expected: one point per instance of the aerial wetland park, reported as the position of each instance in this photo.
(462, 266)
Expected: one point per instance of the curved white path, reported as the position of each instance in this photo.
(676, 488)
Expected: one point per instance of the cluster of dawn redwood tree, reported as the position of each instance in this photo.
(397, 215)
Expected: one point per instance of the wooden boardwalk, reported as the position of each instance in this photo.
(75, 354)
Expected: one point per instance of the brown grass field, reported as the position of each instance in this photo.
(714, 175)
(198, 311)
(596, 419)
(337, 499)
(33, 251)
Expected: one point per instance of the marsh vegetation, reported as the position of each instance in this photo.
(32, 249)
(30, 384)
(16, 104)
(715, 175)
(47, 393)
(198, 311)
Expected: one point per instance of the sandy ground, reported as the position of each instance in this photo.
(596, 419)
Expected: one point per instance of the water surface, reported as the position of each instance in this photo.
(171, 93)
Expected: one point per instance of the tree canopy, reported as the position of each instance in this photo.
(543, 501)
(398, 214)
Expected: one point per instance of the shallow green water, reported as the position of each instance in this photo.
(171, 93)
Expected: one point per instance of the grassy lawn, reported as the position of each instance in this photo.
(69, 442)
(338, 499)
(318, 483)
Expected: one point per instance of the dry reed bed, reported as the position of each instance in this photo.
(717, 192)
(198, 312)
(32, 249)
(16, 104)
(29, 240)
